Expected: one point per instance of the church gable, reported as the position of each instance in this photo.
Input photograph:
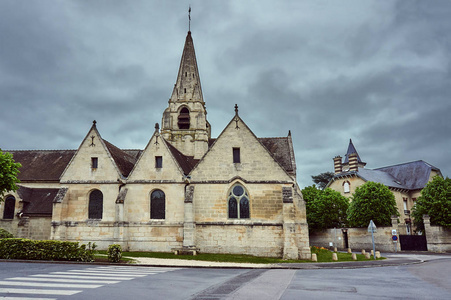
(237, 152)
(157, 163)
(93, 161)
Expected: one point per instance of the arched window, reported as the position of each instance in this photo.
(238, 201)
(157, 205)
(183, 120)
(8, 211)
(95, 210)
(346, 187)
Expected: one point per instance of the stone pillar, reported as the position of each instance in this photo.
(189, 227)
(353, 162)
(118, 231)
(395, 225)
(290, 249)
(338, 167)
(58, 231)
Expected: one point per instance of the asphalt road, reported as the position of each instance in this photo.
(429, 280)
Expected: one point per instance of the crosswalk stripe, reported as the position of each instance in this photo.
(81, 277)
(57, 285)
(64, 280)
(95, 274)
(39, 291)
(26, 298)
(115, 272)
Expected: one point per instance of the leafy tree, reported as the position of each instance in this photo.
(322, 179)
(8, 173)
(325, 208)
(435, 201)
(372, 201)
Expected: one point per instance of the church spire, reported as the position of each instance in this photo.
(187, 87)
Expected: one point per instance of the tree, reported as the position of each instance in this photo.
(8, 173)
(322, 179)
(435, 201)
(372, 201)
(325, 208)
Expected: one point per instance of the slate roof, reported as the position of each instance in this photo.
(42, 165)
(413, 175)
(38, 201)
(123, 160)
(351, 149)
(187, 163)
(409, 176)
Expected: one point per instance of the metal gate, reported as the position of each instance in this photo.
(413, 242)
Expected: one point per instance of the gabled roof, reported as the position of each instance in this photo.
(38, 201)
(280, 148)
(187, 163)
(123, 160)
(413, 175)
(42, 165)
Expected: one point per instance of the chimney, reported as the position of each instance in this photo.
(338, 168)
(353, 162)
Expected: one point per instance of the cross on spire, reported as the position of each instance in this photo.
(189, 18)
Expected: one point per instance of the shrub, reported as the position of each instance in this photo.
(45, 250)
(5, 234)
(114, 253)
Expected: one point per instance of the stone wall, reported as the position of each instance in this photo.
(438, 237)
(233, 237)
(358, 239)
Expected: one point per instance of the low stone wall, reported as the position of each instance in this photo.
(36, 228)
(358, 239)
(438, 237)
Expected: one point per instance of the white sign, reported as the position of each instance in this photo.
(393, 232)
(372, 227)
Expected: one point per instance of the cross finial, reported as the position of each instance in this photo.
(94, 122)
(236, 109)
(157, 126)
(189, 18)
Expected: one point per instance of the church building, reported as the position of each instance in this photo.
(185, 190)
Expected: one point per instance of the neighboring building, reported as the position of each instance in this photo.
(405, 180)
(233, 194)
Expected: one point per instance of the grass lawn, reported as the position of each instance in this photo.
(323, 255)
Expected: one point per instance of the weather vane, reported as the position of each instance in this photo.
(189, 18)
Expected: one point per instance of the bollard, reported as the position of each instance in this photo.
(367, 256)
(378, 254)
(349, 250)
(363, 251)
(372, 253)
(314, 258)
(354, 256)
(334, 256)
(335, 249)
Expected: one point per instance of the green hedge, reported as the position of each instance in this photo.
(45, 250)
(5, 234)
(114, 253)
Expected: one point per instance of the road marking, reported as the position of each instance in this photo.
(26, 298)
(39, 291)
(55, 285)
(64, 280)
(81, 277)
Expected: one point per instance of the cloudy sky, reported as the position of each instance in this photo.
(377, 72)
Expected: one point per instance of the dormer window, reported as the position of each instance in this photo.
(183, 119)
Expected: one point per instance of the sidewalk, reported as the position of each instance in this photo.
(393, 259)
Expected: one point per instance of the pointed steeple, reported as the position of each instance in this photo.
(351, 150)
(184, 122)
(187, 88)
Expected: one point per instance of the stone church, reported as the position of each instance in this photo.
(236, 193)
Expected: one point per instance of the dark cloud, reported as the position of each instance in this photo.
(374, 71)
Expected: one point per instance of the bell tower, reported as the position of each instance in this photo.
(184, 122)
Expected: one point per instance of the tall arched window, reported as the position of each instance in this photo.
(157, 205)
(8, 211)
(95, 210)
(183, 119)
(238, 201)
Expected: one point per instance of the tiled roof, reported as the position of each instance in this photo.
(187, 163)
(37, 201)
(351, 150)
(42, 165)
(123, 160)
